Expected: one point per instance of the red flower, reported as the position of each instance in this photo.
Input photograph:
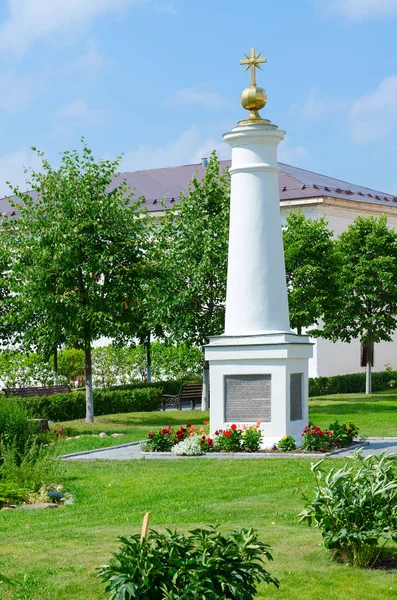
(227, 433)
(205, 422)
(150, 434)
(209, 440)
(233, 427)
(188, 425)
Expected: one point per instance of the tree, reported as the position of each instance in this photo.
(79, 248)
(368, 310)
(191, 245)
(311, 268)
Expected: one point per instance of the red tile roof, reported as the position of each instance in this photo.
(294, 183)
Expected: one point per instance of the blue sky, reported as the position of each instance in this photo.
(160, 81)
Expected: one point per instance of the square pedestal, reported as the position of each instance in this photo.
(260, 378)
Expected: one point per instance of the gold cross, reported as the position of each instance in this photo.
(252, 63)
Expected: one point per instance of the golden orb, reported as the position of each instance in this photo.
(253, 98)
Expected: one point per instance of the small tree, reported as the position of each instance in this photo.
(79, 253)
(311, 268)
(368, 308)
(191, 248)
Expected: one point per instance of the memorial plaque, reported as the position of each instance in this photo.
(248, 398)
(296, 397)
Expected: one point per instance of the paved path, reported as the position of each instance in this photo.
(133, 452)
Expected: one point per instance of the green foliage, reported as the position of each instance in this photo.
(15, 429)
(112, 364)
(314, 439)
(71, 362)
(161, 440)
(355, 507)
(368, 278)
(65, 407)
(251, 438)
(11, 494)
(19, 369)
(79, 256)
(191, 249)
(238, 439)
(311, 268)
(344, 432)
(350, 384)
(169, 387)
(287, 443)
(35, 468)
(203, 564)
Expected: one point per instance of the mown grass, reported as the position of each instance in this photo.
(59, 551)
(376, 414)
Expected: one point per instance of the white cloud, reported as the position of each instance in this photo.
(297, 156)
(315, 109)
(193, 97)
(190, 147)
(357, 10)
(91, 60)
(12, 169)
(80, 114)
(374, 116)
(31, 21)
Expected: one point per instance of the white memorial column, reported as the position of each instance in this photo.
(256, 300)
(258, 367)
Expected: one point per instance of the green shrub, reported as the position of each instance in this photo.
(203, 564)
(170, 387)
(161, 440)
(286, 444)
(35, 468)
(11, 494)
(67, 407)
(15, 429)
(350, 384)
(355, 507)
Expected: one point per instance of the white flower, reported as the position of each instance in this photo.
(190, 446)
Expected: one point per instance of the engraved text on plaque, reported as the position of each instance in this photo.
(248, 398)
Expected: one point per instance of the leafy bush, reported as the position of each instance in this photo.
(170, 387)
(35, 468)
(11, 494)
(355, 507)
(65, 407)
(203, 564)
(286, 444)
(344, 433)
(15, 429)
(353, 383)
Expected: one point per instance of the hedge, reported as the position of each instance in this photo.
(169, 387)
(66, 407)
(350, 384)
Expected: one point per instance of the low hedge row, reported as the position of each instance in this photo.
(169, 387)
(66, 407)
(353, 383)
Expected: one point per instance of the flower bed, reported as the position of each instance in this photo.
(194, 441)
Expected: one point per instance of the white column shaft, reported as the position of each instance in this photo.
(256, 300)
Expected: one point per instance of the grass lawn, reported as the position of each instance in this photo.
(58, 551)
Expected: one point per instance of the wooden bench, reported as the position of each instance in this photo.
(189, 392)
(48, 390)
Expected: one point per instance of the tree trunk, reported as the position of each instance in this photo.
(148, 359)
(299, 330)
(89, 398)
(368, 371)
(205, 404)
(56, 379)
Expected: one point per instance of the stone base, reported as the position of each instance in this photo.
(262, 378)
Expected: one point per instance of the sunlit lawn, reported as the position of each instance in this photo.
(58, 551)
(55, 553)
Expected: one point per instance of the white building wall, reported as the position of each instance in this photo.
(340, 358)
